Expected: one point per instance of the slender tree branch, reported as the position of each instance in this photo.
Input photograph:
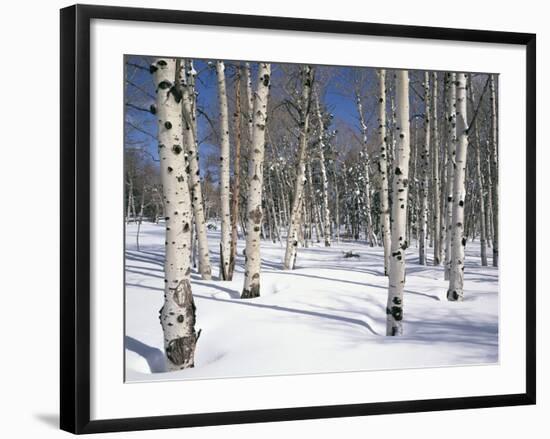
(210, 122)
(137, 66)
(141, 89)
(135, 107)
(478, 104)
(142, 130)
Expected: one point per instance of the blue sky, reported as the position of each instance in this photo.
(336, 84)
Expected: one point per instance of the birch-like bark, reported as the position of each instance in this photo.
(435, 173)
(131, 210)
(294, 223)
(451, 152)
(236, 177)
(271, 203)
(456, 280)
(368, 217)
(191, 143)
(479, 184)
(444, 127)
(177, 315)
(494, 168)
(336, 202)
(249, 101)
(251, 286)
(140, 217)
(225, 243)
(394, 309)
(383, 170)
(321, 152)
(489, 197)
(424, 174)
(315, 212)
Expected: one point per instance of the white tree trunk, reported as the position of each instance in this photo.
(383, 170)
(424, 173)
(249, 101)
(368, 217)
(435, 173)
(489, 198)
(479, 184)
(225, 243)
(190, 135)
(326, 209)
(177, 316)
(251, 287)
(296, 213)
(494, 168)
(394, 309)
(236, 177)
(456, 281)
(451, 151)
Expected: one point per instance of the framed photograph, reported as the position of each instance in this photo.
(268, 219)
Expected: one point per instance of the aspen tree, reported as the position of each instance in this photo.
(424, 173)
(321, 152)
(479, 184)
(177, 315)
(494, 168)
(190, 137)
(383, 170)
(249, 101)
(294, 222)
(394, 309)
(456, 280)
(236, 177)
(451, 152)
(251, 286)
(225, 243)
(364, 132)
(435, 173)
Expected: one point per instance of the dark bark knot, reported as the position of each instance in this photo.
(165, 84)
(180, 350)
(255, 215)
(182, 293)
(176, 92)
(177, 149)
(396, 312)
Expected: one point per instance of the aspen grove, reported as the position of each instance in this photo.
(287, 218)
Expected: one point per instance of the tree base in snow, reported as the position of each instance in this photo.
(455, 296)
(252, 293)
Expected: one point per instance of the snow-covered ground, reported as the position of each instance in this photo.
(327, 315)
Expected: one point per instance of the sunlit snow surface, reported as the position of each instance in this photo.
(327, 315)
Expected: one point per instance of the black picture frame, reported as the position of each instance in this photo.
(75, 217)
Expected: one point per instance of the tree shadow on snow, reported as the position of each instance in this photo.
(139, 257)
(153, 356)
(363, 284)
(246, 302)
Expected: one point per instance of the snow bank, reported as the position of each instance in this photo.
(327, 315)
